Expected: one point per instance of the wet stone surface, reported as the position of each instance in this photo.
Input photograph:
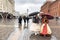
(6, 28)
(31, 36)
(38, 37)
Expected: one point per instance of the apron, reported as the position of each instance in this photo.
(45, 29)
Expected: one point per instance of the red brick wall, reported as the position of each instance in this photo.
(45, 7)
(54, 9)
(59, 7)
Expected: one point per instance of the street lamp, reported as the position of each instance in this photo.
(27, 17)
(27, 11)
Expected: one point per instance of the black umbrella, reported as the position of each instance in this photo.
(47, 15)
(34, 13)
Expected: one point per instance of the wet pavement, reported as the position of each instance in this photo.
(15, 35)
(7, 26)
(28, 35)
(11, 30)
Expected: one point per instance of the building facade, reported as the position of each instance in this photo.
(45, 7)
(50, 0)
(7, 6)
(53, 8)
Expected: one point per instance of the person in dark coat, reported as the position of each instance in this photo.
(27, 19)
(20, 19)
(36, 19)
(24, 18)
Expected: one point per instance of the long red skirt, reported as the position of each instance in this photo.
(45, 29)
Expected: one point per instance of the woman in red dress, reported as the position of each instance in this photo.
(45, 29)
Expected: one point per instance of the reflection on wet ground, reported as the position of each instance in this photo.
(6, 28)
(23, 33)
(38, 37)
(7, 22)
(15, 35)
(28, 35)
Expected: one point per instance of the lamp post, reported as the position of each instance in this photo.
(27, 11)
(27, 17)
(56, 18)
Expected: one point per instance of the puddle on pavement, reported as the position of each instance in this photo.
(38, 37)
(26, 35)
(15, 35)
(53, 38)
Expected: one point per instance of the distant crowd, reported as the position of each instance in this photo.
(35, 18)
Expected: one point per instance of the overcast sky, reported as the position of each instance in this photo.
(32, 5)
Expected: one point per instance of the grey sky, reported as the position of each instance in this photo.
(32, 5)
(29, 1)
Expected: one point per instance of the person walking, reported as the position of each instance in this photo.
(24, 18)
(20, 20)
(27, 19)
(36, 19)
(45, 29)
(35, 25)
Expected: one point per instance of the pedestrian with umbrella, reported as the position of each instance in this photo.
(35, 26)
(35, 17)
(45, 29)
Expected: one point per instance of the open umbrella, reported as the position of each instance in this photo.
(47, 15)
(34, 13)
